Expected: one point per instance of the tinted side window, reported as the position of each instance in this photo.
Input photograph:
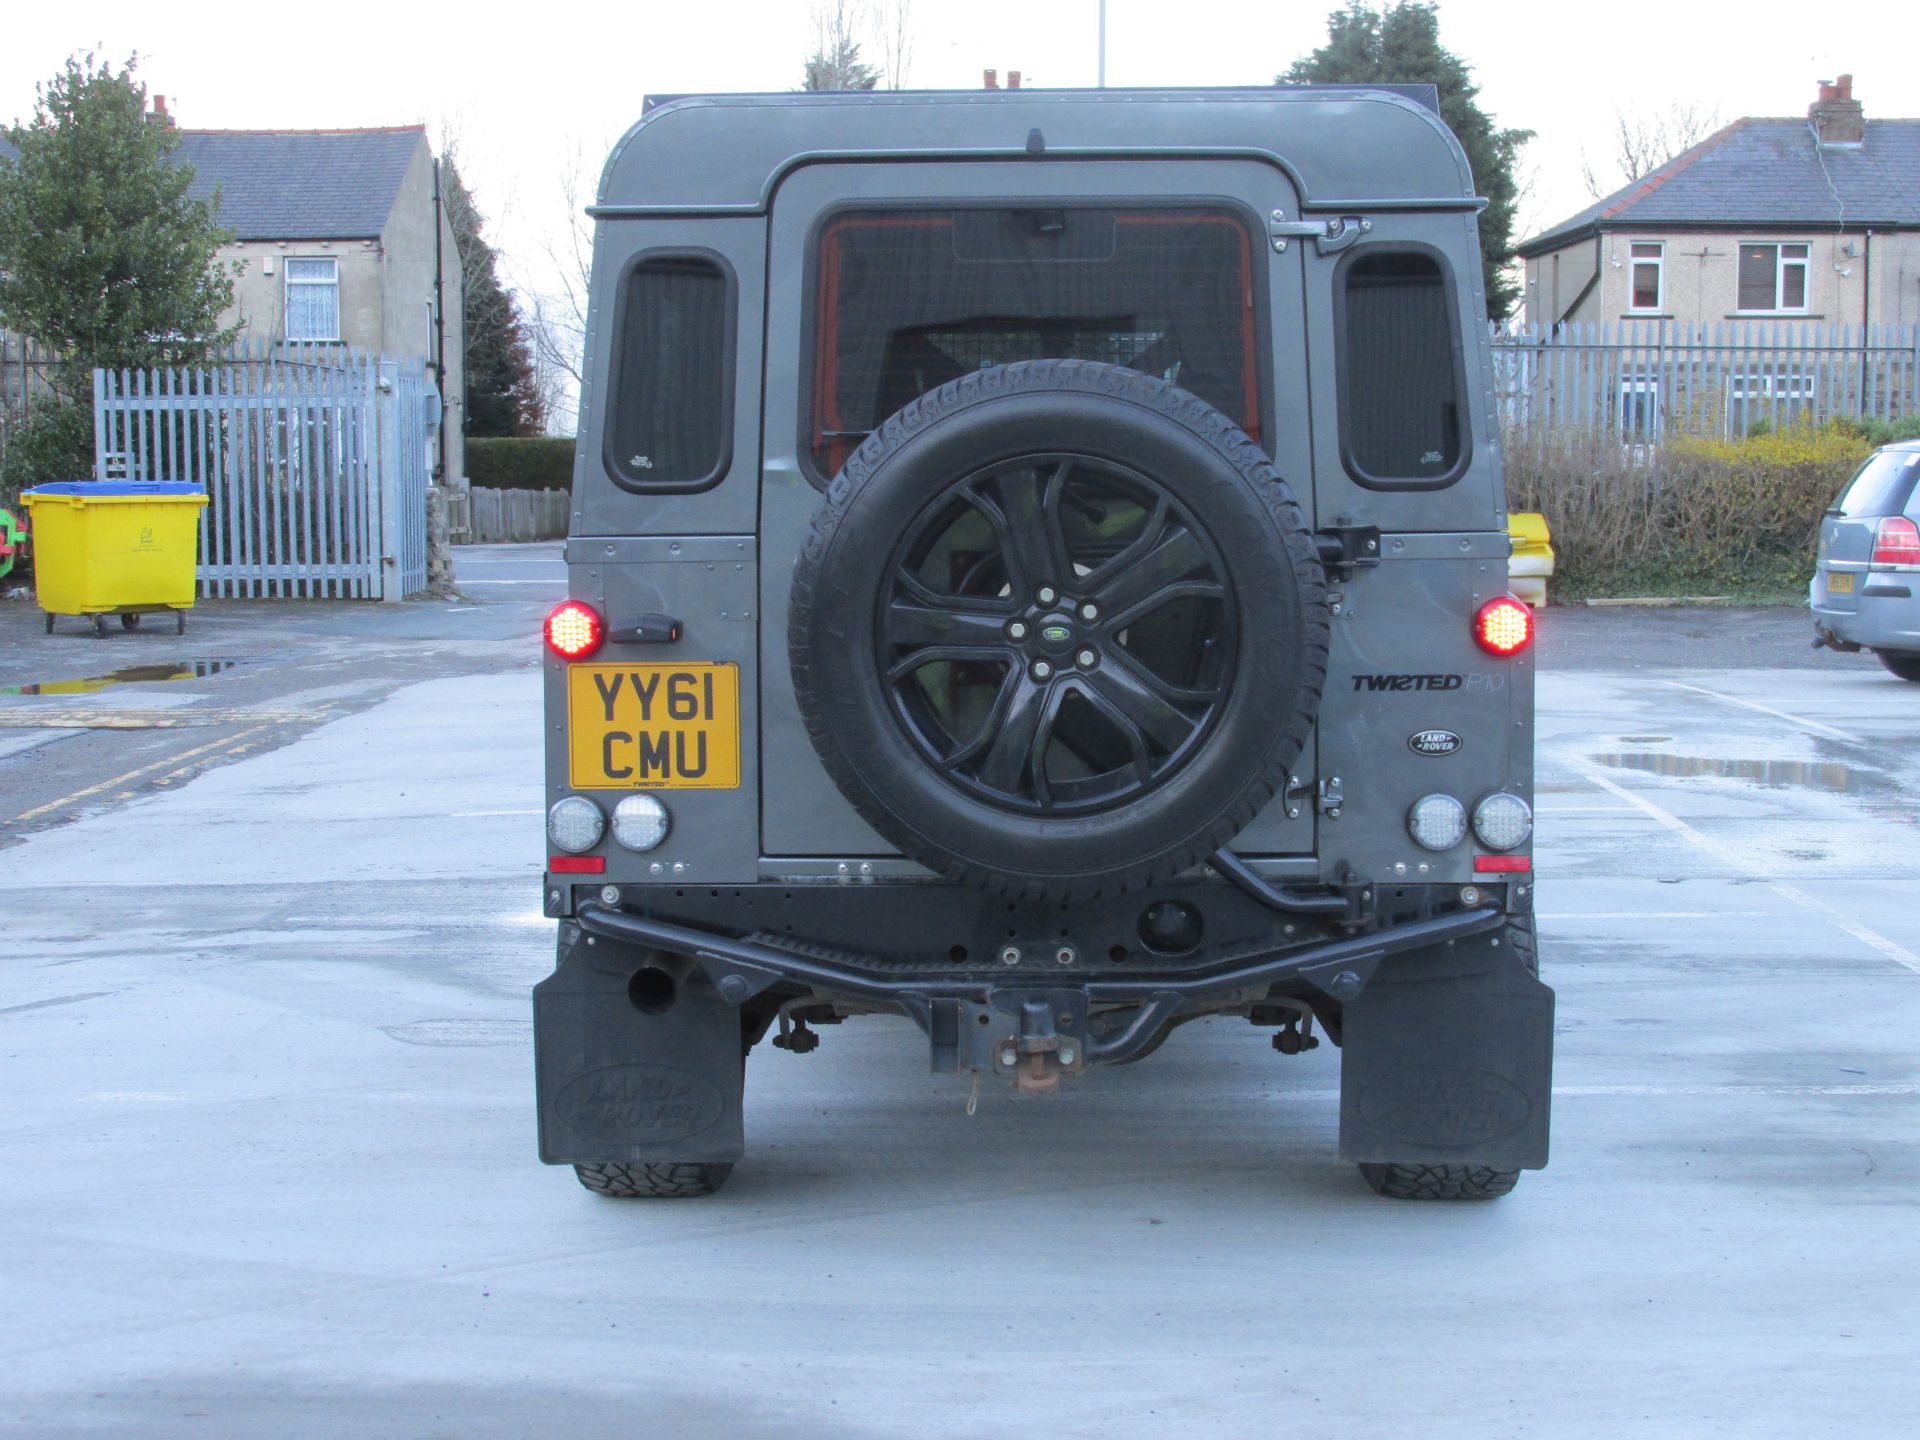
(1880, 486)
(1400, 382)
(673, 375)
(907, 300)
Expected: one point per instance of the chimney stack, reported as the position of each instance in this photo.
(158, 115)
(1013, 79)
(1837, 118)
(991, 78)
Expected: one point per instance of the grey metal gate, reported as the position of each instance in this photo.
(316, 467)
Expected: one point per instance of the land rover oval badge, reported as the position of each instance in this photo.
(1433, 742)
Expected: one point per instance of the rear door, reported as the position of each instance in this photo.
(893, 280)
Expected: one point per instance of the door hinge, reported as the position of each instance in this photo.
(1327, 235)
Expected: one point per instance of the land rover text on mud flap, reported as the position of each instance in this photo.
(1039, 566)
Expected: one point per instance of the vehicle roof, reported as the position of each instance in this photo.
(1382, 147)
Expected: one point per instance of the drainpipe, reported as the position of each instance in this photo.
(440, 322)
(1866, 312)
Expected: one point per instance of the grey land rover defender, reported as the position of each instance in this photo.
(1039, 566)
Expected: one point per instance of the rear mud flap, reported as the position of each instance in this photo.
(1447, 1059)
(619, 1083)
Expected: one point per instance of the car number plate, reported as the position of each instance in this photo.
(653, 727)
(1839, 584)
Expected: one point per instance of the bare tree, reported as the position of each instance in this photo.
(892, 22)
(1643, 143)
(558, 322)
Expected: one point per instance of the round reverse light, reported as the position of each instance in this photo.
(1503, 626)
(640, 822)
(574, 631)
(575, 824)
(1502, 821)
(1437, 822)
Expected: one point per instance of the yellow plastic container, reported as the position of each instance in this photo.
(115, 547)
(1532, 562)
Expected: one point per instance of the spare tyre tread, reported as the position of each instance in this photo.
(1200, 419)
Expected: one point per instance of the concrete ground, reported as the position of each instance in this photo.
(267, 1162)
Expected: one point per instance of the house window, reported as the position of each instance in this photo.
(1649, 263)
(1773, 277)
(313, 299)
(908, 300)
(673, 374)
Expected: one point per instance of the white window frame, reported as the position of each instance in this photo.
(1658, 260)
(1781, 261)
(333, 283)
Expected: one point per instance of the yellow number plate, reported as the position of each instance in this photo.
(653, 727)
(1839, 584)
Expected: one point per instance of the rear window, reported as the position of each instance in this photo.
(907, 300)
(1881, 486)
(1401, 371)
(672, 377)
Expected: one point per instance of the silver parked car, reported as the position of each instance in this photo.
(1862, 591)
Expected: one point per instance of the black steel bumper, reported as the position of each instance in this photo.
(965, 1014)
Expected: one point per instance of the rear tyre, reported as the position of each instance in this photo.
(99, 627)
(667, 1181)
(1901, 663)
(129, 622)
(1439, 1182)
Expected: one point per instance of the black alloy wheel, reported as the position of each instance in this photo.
(1057, 634)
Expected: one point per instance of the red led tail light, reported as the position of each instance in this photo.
(1503, 627)
(574, 631)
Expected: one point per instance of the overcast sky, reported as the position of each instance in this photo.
(530, 87)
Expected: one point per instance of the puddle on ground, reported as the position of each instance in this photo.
(131, 675)
(1811, 775)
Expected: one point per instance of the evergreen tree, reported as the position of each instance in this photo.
(104, 257)
(1400, 45)
(502, 395)
(835, 63)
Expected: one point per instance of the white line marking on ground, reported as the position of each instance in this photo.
(1800, 720)
(1583, 809)
(1602, 1090)
(1617, 915)
(1873, 939)
(476, 814)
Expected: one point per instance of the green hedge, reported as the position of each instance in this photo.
(537, 463)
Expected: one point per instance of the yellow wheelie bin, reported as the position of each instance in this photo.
(115, 547)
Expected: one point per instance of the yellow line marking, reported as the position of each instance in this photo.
(32, 719)
(134, 774)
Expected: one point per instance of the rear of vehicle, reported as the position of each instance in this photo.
(1862, 594)
(1039, 566)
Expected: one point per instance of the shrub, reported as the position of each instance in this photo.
(1692, 512)
(541, 462)
(55, 442)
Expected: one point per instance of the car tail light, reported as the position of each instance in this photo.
(574, 631)
(1437, 822)
(1503, 821)
(575, 824)
(1503, 626)
(1896, 542)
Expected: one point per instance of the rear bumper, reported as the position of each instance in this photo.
(741, 969)
(1886, 617)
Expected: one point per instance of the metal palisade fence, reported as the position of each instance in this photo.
(315, 462)
(1642, 379)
